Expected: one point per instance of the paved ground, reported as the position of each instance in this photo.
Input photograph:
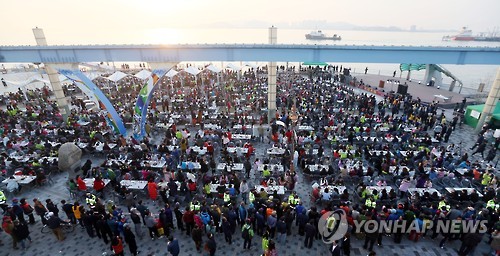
(78, 242)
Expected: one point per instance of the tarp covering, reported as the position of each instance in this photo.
(117, 76)
(252, 65)
(233, 67)
(412, 66)
(143, 74)
(312, 63)
(192, 70)
(213, 68)
(171, 73)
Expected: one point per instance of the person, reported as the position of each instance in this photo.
(99, 185)
(346, 244)
(12, 185)
(152, 190)
(40, 210)
(28, 210)
(130, 239)
(335, 249)
(22, 232)
(135, 216)
(8, 227)
(226, 229)
(370, 238)
(271, 249)
(117, 246)
(469, 243)
(67, 208)
(310, 231)
(81, 184)
(366, 70)
(247, 234)
(78, 211)
(54, 223)
(3, 201)
(152, 225)
(196, 235)
(51, 207)
(17, 210)
(211, 245)
(173, 246)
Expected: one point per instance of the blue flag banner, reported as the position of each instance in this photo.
(112, 117)
(143, 101)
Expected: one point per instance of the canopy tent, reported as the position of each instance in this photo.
(171, 73)
(233, 67)
(312, 63)
(117, 76)
(143, 74)
(248, 64)
(213, 68)
(93, 75)
(192, 70)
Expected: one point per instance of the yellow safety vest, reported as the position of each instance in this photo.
(91, 200)
(443, 203)
(291, 199)
(227, 198)
(251, 197)
(3, 198)
(370, 203)
(330, 222)
(194, 207)
(491, 203)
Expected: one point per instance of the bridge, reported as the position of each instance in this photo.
(250, 52)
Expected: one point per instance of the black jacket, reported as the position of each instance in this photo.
(21, 231)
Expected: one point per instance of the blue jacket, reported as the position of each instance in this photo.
(173, 247)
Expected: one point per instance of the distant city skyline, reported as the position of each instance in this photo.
(119, 20)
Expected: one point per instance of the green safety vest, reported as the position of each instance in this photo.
(443, 203)
(266, 173)
(3, 198)
(227, 198)
(251, 197)
(291, 199)
(370, 203)
(491, 203)
(194, 207)
(330, 222)
(91, 200)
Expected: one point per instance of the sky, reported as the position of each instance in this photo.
(71, 21)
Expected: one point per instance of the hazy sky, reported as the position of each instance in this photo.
(68, 20)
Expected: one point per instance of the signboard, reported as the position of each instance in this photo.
(475, 114)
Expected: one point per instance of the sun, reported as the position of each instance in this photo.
(163, 36)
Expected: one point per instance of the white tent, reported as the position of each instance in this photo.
(248, 64)
(233, 67)
(143, 74)
(171, 73)
(213, 68)
(117, 76)
(192, 70)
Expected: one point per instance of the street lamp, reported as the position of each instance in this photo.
(293, 117)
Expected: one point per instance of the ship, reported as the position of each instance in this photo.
(466, 35)
(319, 35)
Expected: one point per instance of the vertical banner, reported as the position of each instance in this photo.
(112, 117)
(143, 100)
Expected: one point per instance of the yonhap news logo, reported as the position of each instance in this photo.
(333, 225)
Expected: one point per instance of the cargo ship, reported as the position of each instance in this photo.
(319, 35)
(466, 35)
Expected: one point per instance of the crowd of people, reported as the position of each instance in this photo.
(213, 166)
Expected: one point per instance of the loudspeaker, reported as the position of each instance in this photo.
(402, 89)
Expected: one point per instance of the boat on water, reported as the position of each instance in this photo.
(319, 35)
(466, 35)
